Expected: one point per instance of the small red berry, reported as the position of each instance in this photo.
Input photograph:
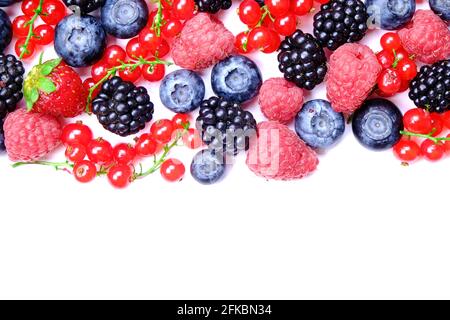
(45, 34)
(389, 81)
(301, 7)
(162, 130)
(417, 121)
(385, 58)
(99, 70)
(124, 153)
(278, 8)
(431, 150)
(75, 152)
(407, 69)
(192, 139)
(154, 72)
(407, 150)
(180, 120)
(172, 170)
(84, 171)
(20, 46)
(146, 145)
(241, 42)
(149, 40)
(130, 74)
(446, 119)
(172, 28)
(76, 132)
(285, 25)
(135, 50)
(100, 151)
(390, 41)
(53, 11)
(250, 12)
(19, 27)
(183, 9)
(29, 6)
(119, 175)
(436, 124)
(114, 55)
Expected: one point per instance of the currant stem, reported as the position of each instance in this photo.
(158, 21)
(112, 72)
(31, 33)
(425, 136)
(264, 15)
(57, 165)
(158, 162)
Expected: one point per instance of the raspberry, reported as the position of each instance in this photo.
(203, 42)
(280, 154)
(352, 73)
(280, 100)
(426, 37)
(30, 136)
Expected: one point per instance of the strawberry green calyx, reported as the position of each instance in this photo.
(37, 81)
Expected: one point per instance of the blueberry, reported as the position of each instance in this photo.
(207, 167)
(441, 8)
(390, 14)
(124, 19)
(377, 124)
(5, 30)
(318, 124)
(7, 3)
(236, 79)
(80, 41)
(182, 91)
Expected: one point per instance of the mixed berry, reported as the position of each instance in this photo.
(36, 106)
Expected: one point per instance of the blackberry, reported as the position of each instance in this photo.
(122, 108)
(85, 6)
(224, 126)
(260, 2)
(2, 137)
(213, 6)
(302, 60)
(430, 89)
(339, 22)
(11, 80)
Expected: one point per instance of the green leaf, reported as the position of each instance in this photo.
(46, 70)
(46, 85)
(31, 96)
(47, 67)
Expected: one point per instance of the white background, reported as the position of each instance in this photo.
(362, 226)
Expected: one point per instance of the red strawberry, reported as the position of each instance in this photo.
(55, 88)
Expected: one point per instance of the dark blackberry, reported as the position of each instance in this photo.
(260, 2)
(302, 60)
(2, 137)
(11, 80)
(213, 6)
(85, 6)
(430, 89)
(224, 126)
(339, 22)
(122, 108)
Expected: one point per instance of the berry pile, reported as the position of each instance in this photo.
(398, 67)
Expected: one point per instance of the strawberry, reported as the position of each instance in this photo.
(55, 88)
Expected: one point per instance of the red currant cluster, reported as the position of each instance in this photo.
(89, 157)
(267, 23)
(423, 136)
(29, 36)
(398, 68)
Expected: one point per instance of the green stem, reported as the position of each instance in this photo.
(264, 15)
(158, 21)
(57, 165)
(31, 33)
(112, 72)
(158, 162)
(425, 136)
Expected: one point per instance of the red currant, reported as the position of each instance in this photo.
(135, 49)
(53, 11)
(172, 28)
(250, 12)
(75, 152)
(89, 83)
(44, 34)
(404, 86)
(407, 150)
(130, 74)
(162, 130)
(274, 42)
(390, 41)
(301, 7)
(29, 7)
(259, 38)
(401, 54)
(446, 119)
(76, 132)
(146, 145)
(407, 69)
(389, 81)
(172, 170)
(192, 139)
(385, 58)
(180, 120)
(241, 42)
(99, 70)
(19, 27)
(100, 151)
(162, 50)
(183, 9)
(447, 143)
(436, 124)
(285, 25)
(431, 150)
(29, 50)
(84, 171)
(417, 121)
(149, 40)
(124, 153)
(119, 175)
(322, 1)
(278, 8)
(114, 55)
(154, 72)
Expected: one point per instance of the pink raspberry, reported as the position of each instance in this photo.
(203, 42)
(280, 100)
(30, 136)
(352, 73)
(426, 37)
(278, 153)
